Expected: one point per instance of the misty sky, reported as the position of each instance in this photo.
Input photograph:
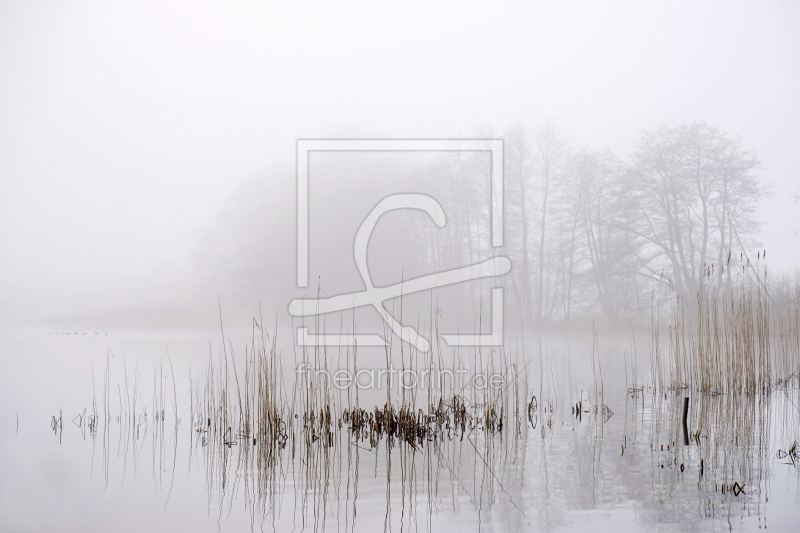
(123, 129)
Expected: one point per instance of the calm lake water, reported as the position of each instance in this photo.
(619, 463)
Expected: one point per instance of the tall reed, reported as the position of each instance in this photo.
(734, 336)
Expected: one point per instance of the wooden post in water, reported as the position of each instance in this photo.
(685, 429)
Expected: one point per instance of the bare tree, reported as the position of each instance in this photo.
(519, 172)
(550, 157)
(695, 195)
(606, 247)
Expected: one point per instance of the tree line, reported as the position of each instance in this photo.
(591, 233)
(588, 232)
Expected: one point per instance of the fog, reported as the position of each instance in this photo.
(131, 136)
(609, 336)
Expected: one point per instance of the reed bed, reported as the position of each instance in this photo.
(736, 335)
(258, 433)
(263, 431)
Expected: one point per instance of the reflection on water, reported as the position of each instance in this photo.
(250, 446)
(311, 457)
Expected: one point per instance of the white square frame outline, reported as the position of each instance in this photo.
(496, 207)
(305, 146)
